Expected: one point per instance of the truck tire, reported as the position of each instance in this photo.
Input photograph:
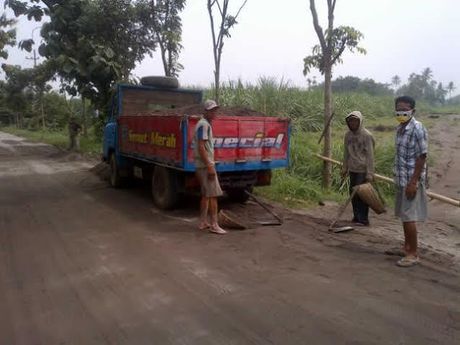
(116, 180)
(160, 82)
(238, 194)
(164, 188)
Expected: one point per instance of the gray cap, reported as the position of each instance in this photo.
(210, 104)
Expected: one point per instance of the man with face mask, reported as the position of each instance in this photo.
(358, 162)
(410, 176)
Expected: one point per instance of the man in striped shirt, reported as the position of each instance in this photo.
(410, 175)
(206, 170)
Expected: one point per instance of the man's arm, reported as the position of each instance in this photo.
(204, 156)
(370, 159)
(344, 171)
(411, 188)
(422, 149)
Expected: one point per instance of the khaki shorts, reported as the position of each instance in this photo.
(414, 210)
(209, 188)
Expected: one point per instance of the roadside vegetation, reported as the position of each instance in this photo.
(301, 183)
(87, 62)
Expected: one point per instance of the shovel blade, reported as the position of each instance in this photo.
(267, 223)
(341, 229)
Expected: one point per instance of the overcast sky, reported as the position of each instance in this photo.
(273, 37)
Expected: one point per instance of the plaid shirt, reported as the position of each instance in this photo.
(411, 143)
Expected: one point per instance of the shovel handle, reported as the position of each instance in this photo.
(252, 196)
(343, 207)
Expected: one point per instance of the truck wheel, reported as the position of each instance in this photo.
(161, 82)
(116, 180)
(164, 188)
(238, 194)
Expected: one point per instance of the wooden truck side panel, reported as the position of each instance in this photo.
(153, 138)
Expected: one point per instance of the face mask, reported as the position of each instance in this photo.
(404, 116)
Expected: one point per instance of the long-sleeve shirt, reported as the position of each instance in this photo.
(359, 151)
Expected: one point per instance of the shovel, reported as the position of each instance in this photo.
(278, 220)
(332, 226)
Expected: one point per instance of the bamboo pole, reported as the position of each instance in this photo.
(439, 197)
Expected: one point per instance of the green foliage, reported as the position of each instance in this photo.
(302, 181)
(7, 35)
(91, 44)
(329, 52)
(220, 31)
(303, 106)
(89, 145)
(450, 88)
(167, 29)
(355, 84)
(424, 87)
(396, 81)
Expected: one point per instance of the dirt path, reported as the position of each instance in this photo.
(445, 145)
(81, 263)
(440, 235)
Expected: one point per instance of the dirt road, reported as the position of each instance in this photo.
(81, 263)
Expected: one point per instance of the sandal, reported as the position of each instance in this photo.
(408, 261)
(395, 252)
(217, 230)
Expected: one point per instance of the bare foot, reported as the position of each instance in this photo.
(204, 226)
(216, 229)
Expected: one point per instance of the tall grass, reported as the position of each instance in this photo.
(302, 180)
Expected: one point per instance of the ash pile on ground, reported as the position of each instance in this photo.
(197, 109)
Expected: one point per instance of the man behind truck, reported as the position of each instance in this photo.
(74, 131)
(206, 171)
(358, 162)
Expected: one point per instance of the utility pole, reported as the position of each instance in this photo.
(40, 91)
(35, 58)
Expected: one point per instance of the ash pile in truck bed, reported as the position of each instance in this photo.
(198, 110)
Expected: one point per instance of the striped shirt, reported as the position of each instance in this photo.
(203, 131)
(411, 143)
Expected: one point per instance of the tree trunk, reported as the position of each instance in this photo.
(83, 113)
(42, 109)
(327, 166)
(217, 86)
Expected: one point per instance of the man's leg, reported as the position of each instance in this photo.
(204, 206)
(72, 143)
(353, 182)
(213, 211)
(410, 238)
(360, 208)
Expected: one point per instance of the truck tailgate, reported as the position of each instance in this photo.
(246, 143)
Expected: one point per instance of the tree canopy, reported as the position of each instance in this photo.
(7, 35)
(333, 41)
(166, 26)
(92, 44)
(220, 30)
(423, 87)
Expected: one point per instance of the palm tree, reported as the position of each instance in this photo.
(450, 88)
(427, 74)
(396, 81)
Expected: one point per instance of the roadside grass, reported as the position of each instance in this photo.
(89, 145)
(301, 183)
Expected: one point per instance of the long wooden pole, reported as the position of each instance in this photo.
(439, 197)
